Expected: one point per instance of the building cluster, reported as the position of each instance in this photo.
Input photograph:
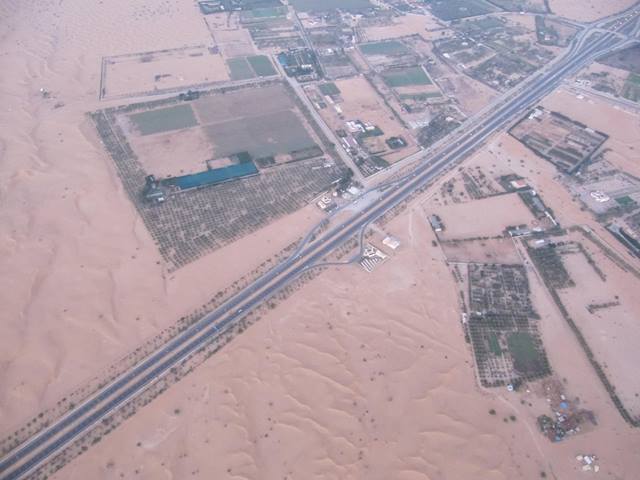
(300, 63)
(208, 7)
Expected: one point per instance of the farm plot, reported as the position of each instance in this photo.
(497, 51)
(233, 42)
(261, 136)
(627, 59)
(631, 89)
(258, 14)
(329, 88)
(242, 103)
(354, 6)
(454, 9)
(388, 47)
(413, 87)
(403, 77)
(503, 326)
(553, 32)
(261, 65)
(178, 141)
(164, 119)
(532, 6)
(275, 34)
(562, 141)
(242, 68)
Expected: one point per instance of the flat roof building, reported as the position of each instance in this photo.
(391, 242)
(436, 223)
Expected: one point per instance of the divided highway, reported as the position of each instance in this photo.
(61, 433)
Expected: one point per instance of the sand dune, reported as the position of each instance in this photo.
(338, 385)
(82, 279)
(347, 380)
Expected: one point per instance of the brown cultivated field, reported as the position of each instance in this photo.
(234, 43)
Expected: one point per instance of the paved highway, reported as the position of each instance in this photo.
(40, 448)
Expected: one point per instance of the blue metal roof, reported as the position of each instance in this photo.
(212, 177)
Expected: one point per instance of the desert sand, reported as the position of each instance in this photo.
(357, 376)
(588, 10)
(82, 280)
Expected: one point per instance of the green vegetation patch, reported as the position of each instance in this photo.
(261, 65)
(240, 69)
(631, 88)
(164, 119)
(268, 12)
(420, 96)
(406, 76)
(494, 344)
(261, 136)
(329, 89)
(627, 59)
(634, 78)
(390, 47)
(527, 358)
(625, 201)
(325, 5)
(454, 9)
(375, 132)
(481, 25)
(532, 6)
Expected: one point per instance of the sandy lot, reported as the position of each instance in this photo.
(472, 95)
(483, 218)
(493, 250)
(234, 43)
(361, 102)
(588, 10)
(406, 25)
(166, 71)
(173, 153)
(612, 332)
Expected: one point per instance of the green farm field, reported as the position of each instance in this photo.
(325, 5)
(406, 77)
(390, 47)
(164, 119)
